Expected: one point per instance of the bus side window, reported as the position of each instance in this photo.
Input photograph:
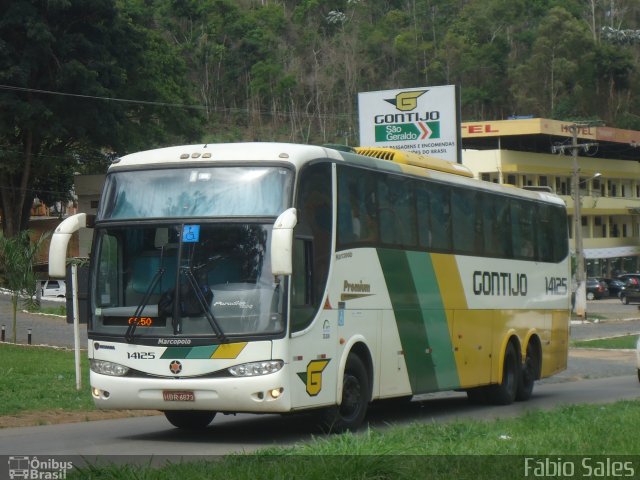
(423, 207)
(560, 240)
(397, 211)
(523, 236)
(357, 207)
(467, 225)
(544, 234)
(503, 224)
(440, 218)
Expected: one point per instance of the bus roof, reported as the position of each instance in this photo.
(297, 154)
(228, 152)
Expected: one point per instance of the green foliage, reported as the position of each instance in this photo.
(17, 256)
(64, 60)
(283, 70)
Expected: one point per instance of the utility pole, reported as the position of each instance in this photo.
(580, 305)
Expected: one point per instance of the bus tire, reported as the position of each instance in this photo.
(528, 374)
(355, 399)
(190, 419)
(505, 392)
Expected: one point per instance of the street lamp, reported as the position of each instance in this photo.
(580, 305)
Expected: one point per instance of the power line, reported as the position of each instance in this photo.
(97, 97)
(180, 105)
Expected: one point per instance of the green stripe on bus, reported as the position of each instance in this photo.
(411, 325)
(435, 319)
(176, 352)
(199, 353)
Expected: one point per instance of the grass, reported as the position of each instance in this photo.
(37, 378)
(57, 310)
(461, 449)
(41, 378)
(621, 342)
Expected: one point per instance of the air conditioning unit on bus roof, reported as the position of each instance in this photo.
(414, 159)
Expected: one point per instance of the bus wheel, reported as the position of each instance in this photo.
(355, 399)
(189, 419)
(505, 392)
(528, 374)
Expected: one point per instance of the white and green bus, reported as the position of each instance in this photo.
(280, 278)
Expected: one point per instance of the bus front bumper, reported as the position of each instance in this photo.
(259, 394)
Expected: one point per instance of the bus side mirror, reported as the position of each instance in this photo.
(282, 242)
(60, 241)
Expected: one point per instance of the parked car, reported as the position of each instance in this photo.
(614, 285)
(629, 277)
(53, 288)
(631, 292)
(596, 289)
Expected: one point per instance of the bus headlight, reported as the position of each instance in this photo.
(108, 368)
(254, 369)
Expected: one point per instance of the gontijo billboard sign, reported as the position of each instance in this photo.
(422, 120)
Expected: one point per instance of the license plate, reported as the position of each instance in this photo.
(178, 396)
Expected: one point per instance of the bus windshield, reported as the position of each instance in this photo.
(206, 279)
(196, 192)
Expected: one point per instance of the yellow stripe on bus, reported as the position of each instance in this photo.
(449, 281)
(229, 350)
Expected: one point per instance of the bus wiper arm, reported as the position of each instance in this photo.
(143, 303)
(206, 308)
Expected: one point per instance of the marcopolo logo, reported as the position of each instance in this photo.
(38, 468)
(408, 125)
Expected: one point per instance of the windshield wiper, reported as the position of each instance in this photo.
(143, 303)
(204, 305)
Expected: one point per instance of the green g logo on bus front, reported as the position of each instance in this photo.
(312, 378)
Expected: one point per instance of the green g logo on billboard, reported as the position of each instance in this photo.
(406, 101)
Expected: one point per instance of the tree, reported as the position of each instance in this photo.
(17, 255)
(557, 80)
(60, 63)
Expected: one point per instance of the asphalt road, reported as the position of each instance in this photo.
(45, 329)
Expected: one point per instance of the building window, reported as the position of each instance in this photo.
(543, 181)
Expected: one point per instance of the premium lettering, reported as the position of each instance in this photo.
(356, 287)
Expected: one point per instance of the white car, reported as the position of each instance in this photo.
(54, 288)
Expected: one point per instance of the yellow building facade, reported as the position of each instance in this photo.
(521, 152)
